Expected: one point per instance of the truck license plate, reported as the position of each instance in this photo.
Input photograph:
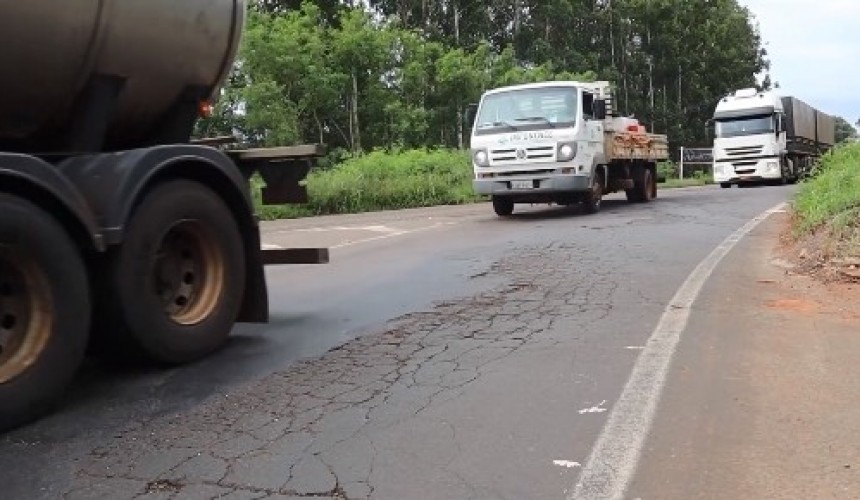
(522, 185)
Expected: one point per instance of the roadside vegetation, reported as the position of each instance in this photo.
(697, 180)
(826, 212)
(668, 174)
(391, 180)
(368, 75)
(384, 180)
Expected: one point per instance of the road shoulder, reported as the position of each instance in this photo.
(761, 399)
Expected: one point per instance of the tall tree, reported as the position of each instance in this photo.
(844, 130)
(380, 73)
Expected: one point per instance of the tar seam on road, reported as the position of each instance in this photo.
(615, 455)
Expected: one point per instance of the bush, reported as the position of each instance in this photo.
(833, 193)
(382, 180)
(667, 170)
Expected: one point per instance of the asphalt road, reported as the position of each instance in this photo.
(444, 353)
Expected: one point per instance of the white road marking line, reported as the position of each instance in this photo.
(391, 235)
(325, 229)
(594, 409)
(615, 455)
(567, 463)
(636, 347)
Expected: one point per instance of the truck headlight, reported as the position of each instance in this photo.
(480, 158)
(566, 151)
(772, 166)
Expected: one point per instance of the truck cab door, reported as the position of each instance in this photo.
(780, 133)
(592, 136)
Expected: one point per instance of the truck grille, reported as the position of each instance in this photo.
(744, 151)
(510, 155)
(515, 173)
(744, 167)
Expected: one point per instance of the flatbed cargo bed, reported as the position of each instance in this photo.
(636, 146)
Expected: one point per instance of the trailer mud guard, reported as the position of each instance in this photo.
(33, 177)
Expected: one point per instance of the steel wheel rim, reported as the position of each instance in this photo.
(188, 273)
(26, 318)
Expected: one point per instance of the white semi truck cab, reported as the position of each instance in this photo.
(557, 142)
(760, 136)
(749, 138)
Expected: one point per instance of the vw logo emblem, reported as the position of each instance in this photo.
(521, 154)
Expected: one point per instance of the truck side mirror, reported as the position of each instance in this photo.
(471, 114)
(599, 107)
(709, 128)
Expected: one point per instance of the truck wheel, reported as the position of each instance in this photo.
(644, 185)
(725, 185)
(44, 311)
(793, 174)
(652, 183)
(175, 284)
(503, 206)
(592, 200)
(783, 175)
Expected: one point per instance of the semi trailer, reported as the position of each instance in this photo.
(765, 137)
(559, 142)
(119, 234)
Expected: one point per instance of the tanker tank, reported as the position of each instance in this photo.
(99, 75)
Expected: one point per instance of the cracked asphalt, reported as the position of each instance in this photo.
(444, 353)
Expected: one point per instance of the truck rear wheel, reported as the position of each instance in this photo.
(44, 311)
(503, 206)
(175, 284)
(644, 184)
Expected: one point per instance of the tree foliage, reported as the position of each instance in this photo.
(844, 129)
(382, 73)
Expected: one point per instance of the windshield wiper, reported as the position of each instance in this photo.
(499, 124)
(537, 118)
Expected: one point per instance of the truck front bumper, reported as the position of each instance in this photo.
(532, 185)
(733, 172)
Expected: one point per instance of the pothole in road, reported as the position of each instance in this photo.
(163, 485)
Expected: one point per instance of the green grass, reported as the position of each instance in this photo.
(382, 180)
(677, 183)
(670, 171)
(832, 196)
(391, 180)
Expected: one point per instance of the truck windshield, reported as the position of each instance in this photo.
(527, 109)
(744, 126)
